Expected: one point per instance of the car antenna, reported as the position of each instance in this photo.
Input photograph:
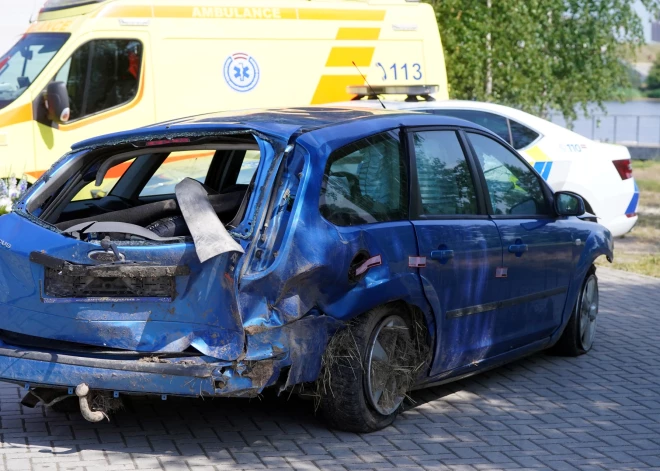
(365, 81)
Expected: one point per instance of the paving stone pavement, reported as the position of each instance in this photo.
(598, 411)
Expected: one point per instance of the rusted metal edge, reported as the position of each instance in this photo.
(119, 270)
(172, 369)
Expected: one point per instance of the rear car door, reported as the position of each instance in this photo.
(459, 248)
(364, 195)
(538, 247)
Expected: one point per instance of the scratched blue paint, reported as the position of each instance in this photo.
(282, 306)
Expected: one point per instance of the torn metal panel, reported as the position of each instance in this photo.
(203, 314)
(209, 233)
(122, 270)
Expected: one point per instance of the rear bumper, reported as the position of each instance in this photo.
(179, 377)
(620, 225)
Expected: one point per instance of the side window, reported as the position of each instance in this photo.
(196, 164)
(490, 121)
(366, 182)
(248, 167)
(91, 191)
(521, 135)
(445, 182)
(177, 166)
(513, 187)
(101, 74)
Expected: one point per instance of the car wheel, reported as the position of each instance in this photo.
(579, 335)
(368, 368)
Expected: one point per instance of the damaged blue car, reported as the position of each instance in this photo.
(348, 255)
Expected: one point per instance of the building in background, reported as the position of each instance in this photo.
(655, 31)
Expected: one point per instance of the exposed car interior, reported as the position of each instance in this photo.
(138, 188)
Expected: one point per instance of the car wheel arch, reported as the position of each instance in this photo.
(415, 312)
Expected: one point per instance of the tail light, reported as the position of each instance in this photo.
(163, 142)
(624, 167)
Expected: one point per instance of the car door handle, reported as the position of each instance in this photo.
(518, 249)
(442, 255)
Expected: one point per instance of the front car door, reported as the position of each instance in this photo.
(459, 247)
(538, 247)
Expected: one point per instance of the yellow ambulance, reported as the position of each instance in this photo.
(89, 67)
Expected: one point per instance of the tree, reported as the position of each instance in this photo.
(540, 55)
(653, 80)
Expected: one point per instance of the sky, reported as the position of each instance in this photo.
(15, 17)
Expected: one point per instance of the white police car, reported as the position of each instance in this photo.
(600, 173)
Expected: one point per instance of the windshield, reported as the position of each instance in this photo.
(25, 61)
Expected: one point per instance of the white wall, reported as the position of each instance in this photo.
(15, 19)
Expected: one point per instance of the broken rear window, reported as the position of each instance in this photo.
(94, 191)
(134, 190)
(196, 165)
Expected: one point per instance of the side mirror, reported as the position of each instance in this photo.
(57, 102)
(569, 204)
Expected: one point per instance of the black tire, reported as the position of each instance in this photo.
(344, 385)
(573, 341)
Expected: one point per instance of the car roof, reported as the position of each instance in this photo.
(540, 125)
(281, 123)
(438, 104)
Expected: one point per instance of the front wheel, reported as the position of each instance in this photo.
(579, 335)
(369, 367)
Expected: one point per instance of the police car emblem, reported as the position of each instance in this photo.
(241, 72)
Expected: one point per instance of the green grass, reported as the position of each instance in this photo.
(639, 250)
(648, 185)
(647, 176)
(644, 265)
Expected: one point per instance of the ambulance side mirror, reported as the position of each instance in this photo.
(57, 102)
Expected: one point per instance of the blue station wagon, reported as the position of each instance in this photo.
(349, 255)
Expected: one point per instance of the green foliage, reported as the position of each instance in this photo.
(653, 93)
(653, 80)
(542, 55)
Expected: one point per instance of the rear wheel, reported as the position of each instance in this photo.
(368, 369)
(579, 335)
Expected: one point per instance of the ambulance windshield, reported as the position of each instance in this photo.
(25, 61)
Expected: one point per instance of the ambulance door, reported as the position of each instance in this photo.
(110, 89)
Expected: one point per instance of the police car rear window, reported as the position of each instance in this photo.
(521, 135)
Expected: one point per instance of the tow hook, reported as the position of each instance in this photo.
(82, 391)
(109, 246)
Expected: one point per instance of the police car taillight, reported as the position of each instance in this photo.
(624, 167)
